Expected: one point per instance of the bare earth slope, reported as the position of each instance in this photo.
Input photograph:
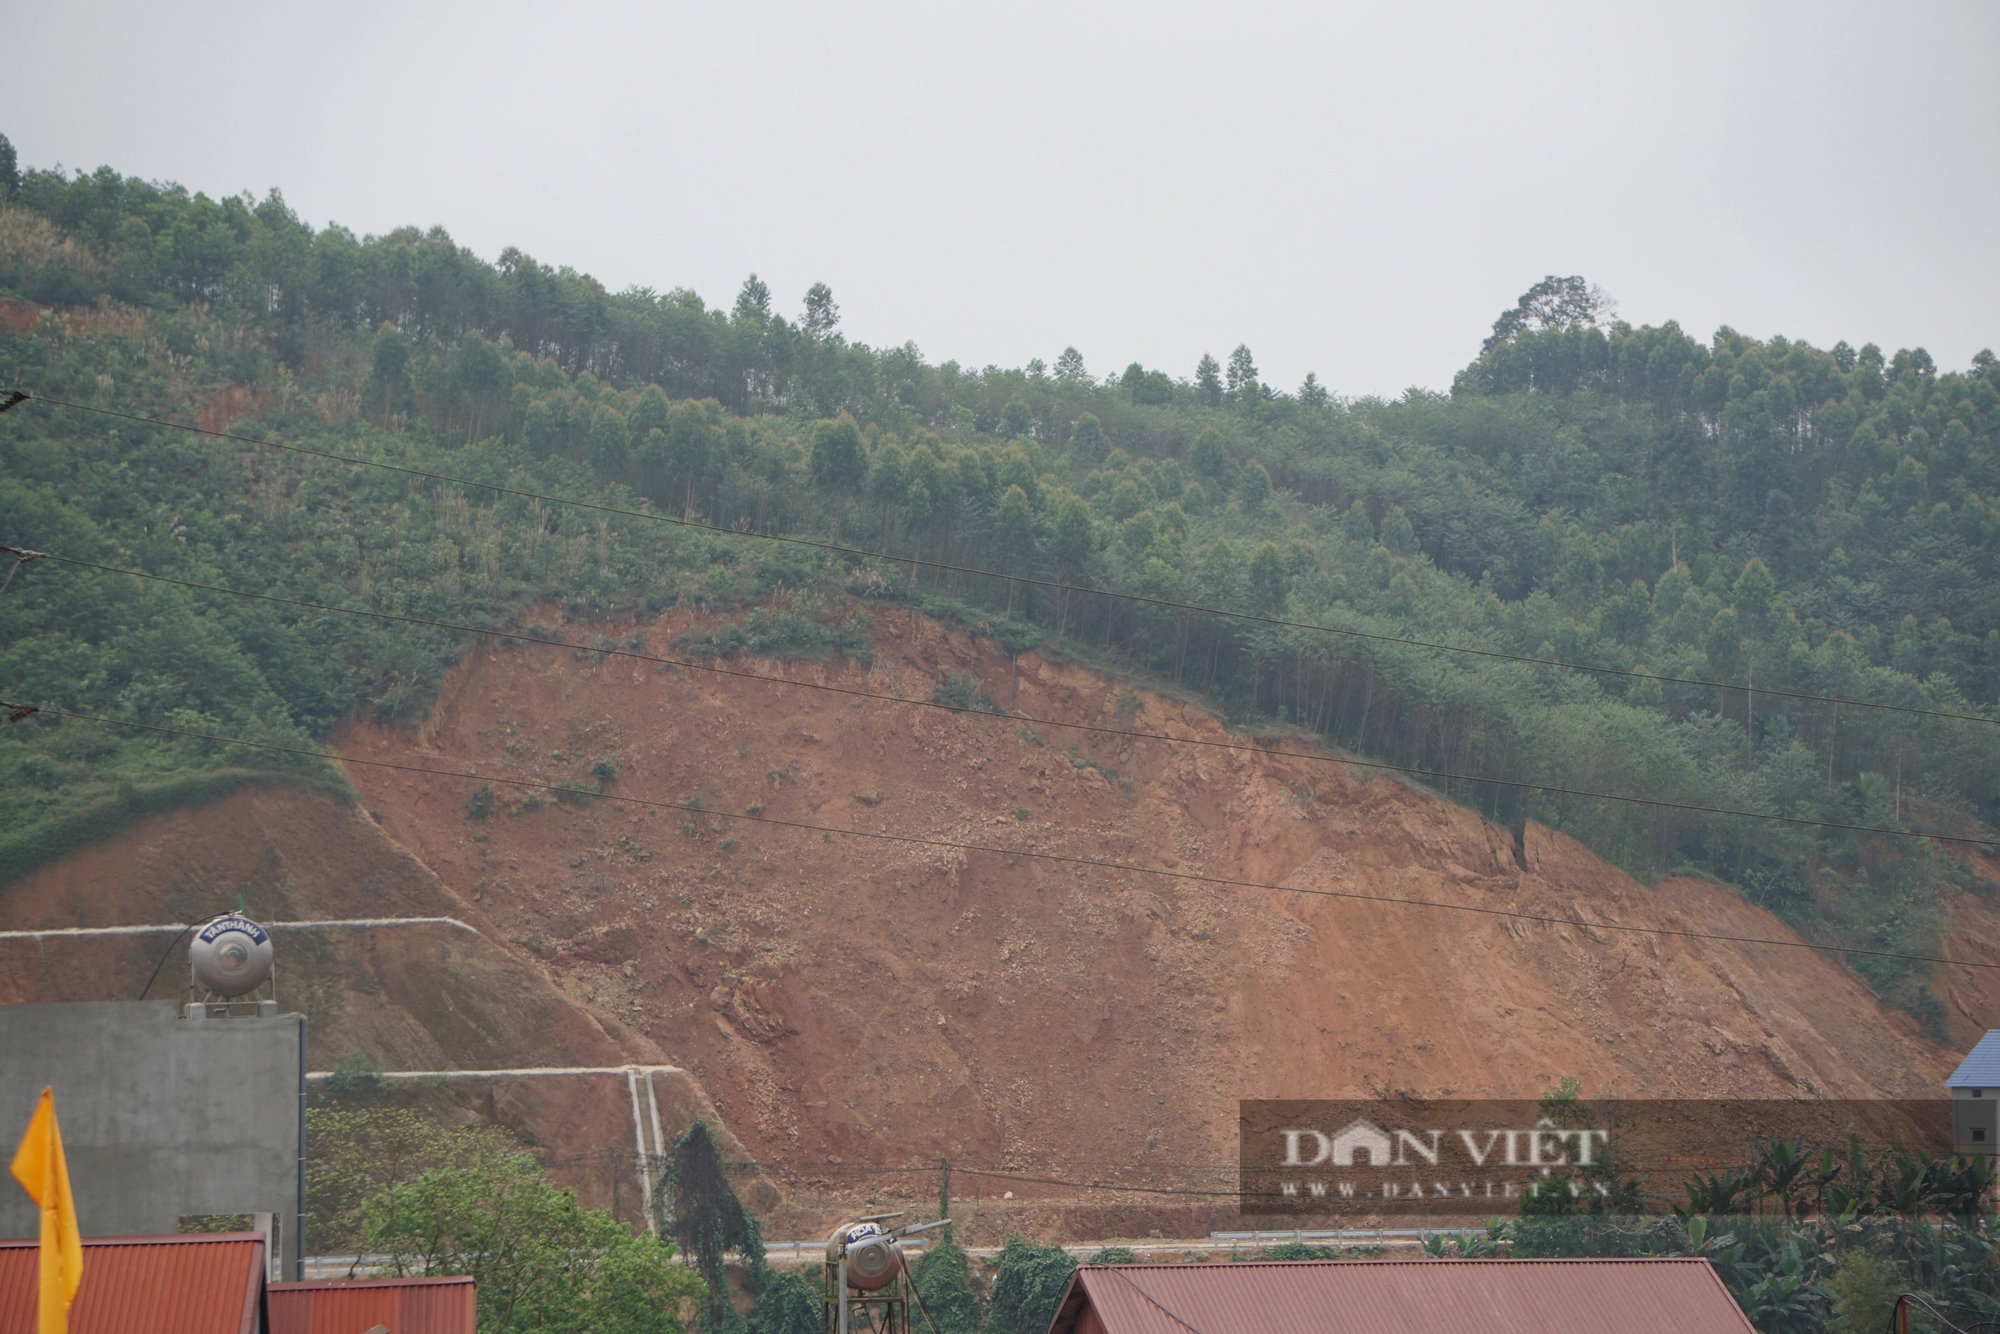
(430, 997)
(849, 1001)
(851, 1004)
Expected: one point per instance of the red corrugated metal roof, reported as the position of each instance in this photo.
(405, 1305)
(1665, 1296)
(199, 1283)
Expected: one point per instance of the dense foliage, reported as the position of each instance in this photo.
(699, 1209)
(430, 1200)
(947, 1299)
(1028, 1284)
(1761, 514)
(1807, 1238)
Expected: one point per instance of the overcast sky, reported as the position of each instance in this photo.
(1352, 189)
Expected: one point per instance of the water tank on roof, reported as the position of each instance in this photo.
(230, 956)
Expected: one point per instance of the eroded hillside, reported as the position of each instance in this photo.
(849, 1004)
(439, 996)
(853, 1002)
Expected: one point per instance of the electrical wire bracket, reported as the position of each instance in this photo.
(21, 557)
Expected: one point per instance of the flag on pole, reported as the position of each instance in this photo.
(39, 1167)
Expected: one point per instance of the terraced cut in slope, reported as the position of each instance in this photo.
(851, 1003)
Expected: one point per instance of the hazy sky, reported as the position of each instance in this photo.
(1352, 189)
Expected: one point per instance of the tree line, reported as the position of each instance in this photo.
(1734, 517)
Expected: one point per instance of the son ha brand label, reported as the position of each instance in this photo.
(1476, 1158)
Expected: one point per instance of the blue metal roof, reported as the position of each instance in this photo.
(1981, 1066)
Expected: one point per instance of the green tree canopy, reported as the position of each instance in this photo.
(950, 1303)
(838, 462)
(468, 1202)
(704, 1216)
(1087, 441)
(1208, 380)
(1027, 1284)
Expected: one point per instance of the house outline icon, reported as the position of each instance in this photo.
(1366, 1137)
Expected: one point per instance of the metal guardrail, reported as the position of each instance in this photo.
(799, 1251)
(802, 1252)
(1347, 1234)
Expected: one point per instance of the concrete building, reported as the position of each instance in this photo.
(1975, 1098)
(166, 1122)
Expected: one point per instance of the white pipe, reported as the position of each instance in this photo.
(358, 922)
(524, 1073)
(639, 1138)
(653, 1106)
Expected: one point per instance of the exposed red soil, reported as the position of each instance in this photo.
(410, 998)
(852, 1003)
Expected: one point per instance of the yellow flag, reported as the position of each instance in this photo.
(39, 1167)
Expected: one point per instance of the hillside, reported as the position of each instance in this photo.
(1751, 525)
(1736, 573)
(431, 997)
(853, 1004)
(849, 1005)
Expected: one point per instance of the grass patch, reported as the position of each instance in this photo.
(1013, 637)
(961, 690)
(787, 635)
(63, 834)
(1081, 761)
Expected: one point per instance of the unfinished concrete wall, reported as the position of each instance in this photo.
(162, 1117)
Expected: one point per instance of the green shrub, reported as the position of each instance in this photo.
(788, 635)
(1299, 1250)
(1864, 1292)
(944, 1287)
(961, 690)
(1027, 1284)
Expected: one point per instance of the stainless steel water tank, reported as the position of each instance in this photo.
(230, 956)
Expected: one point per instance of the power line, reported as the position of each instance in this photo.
(1119, 1270)
(946, 567)
(618, 1157)
(1099, 729)
(1067, 859)
(1018, 1178)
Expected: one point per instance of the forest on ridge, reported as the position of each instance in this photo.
(1760, 513)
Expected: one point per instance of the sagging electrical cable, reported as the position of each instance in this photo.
(863, 553)
(1120, 1272)
(1094, 728)
(1066, 859)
